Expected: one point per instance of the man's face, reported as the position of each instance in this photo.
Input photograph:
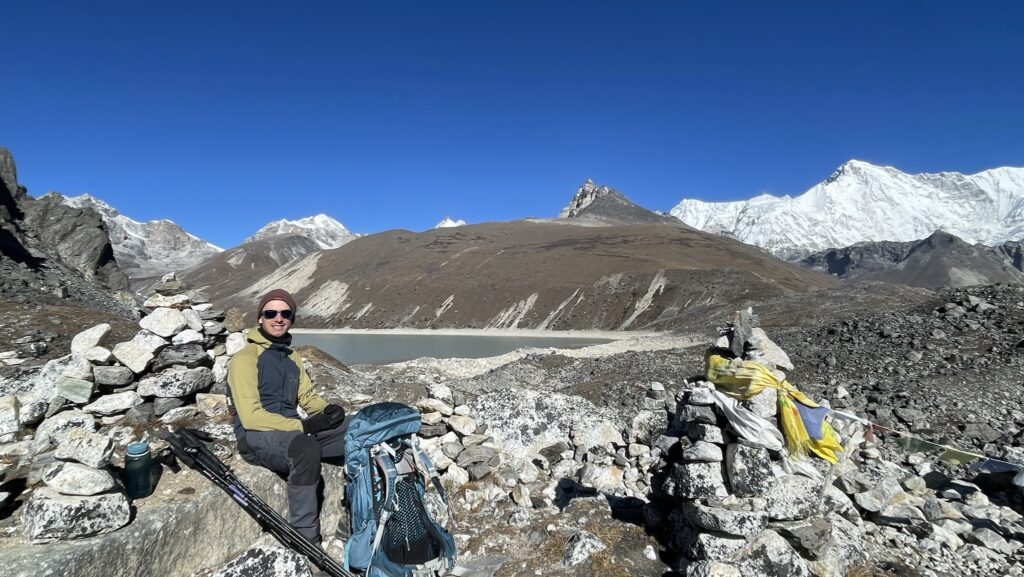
(278, 325)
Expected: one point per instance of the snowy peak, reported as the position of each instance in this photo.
(447, 222)
(862, 202)
(145, 249)
(322, 229)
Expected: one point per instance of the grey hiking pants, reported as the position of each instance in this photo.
(298, 456)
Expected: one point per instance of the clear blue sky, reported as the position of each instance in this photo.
(223, 116)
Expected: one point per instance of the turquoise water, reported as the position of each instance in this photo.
(377, 348)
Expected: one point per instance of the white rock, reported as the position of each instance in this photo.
(78, 479)
(10, 420)
(91, 449)
(440, 392)
(454, 478)
(220, 369)
(113, 404)
(193, 320)
(98, 355)
(266, 561)
(50, 516)
(235, 342)
(164, 321)
(603, 435)
(44, 384)
(59, 426)
(767, 352)
(202, 307)
(78, 368)
(434, 406)
(580, 547)
(431, 418)
(176, 382)
(133, 355)
(187, 336)
(462, 425)
(31, 409)
(212, 405)
(605, 479)
(89, 338)
(170, 301)
(179, 414)
(75, 390)
(702, 451)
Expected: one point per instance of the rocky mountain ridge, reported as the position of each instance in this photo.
(941, 260)
(145, 250)
(50, 252)
(862, 202)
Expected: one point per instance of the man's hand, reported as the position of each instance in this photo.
(331, 417)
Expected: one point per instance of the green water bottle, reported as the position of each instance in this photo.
(138, 470)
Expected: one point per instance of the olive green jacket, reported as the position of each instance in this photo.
(266, 383)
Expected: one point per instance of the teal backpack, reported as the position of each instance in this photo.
(393, 533)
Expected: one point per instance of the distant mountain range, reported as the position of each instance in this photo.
(862, 202)
(326, 232)
(145, 249)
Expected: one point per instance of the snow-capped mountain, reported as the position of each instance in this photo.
(324, 230)
(145, 249)
(863, 202)
(447, 222)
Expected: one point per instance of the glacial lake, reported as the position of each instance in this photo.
(379, 347)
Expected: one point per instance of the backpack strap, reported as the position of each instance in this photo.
(383, 458)
(427, 469)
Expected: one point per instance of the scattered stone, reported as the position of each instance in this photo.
(188, 356)
(10, 421)
(738, 523)
(89, 338)
(698, 480)
(702, 451)
(59, 426)
(580, 547)
(749, 469)
(157, 301)
(212, 405)
(115, 376)
(113, 404)
(266, 561)
(792, 497)
(462, 425)
(78, 479)
(235, 343)
(90, 449)
(188, 336)
(49, 516)
(176, 382)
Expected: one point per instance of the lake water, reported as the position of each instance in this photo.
(377, 348)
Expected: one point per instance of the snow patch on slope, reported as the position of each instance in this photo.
(292, 277)
(327, 300)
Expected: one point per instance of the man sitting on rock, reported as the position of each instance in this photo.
(267, 384)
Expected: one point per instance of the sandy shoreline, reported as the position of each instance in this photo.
(574, 334)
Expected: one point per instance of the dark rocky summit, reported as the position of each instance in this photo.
(941, 260)
(50, 252)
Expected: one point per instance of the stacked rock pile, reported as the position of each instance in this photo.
(727, 506)
(64, 435)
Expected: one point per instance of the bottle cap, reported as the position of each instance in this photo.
(137, 449)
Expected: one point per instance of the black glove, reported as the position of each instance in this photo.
(335, 415)
(329, 418)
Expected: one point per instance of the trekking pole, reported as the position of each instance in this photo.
(189, 448)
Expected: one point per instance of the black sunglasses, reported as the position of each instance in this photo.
(270, 313)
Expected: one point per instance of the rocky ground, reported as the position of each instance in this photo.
(610, 460)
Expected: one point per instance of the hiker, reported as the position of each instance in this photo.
(266, 385)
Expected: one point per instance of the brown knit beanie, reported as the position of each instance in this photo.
(277, 295)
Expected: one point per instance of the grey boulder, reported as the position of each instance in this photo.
(50, 516)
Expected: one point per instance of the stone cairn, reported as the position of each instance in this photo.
(66, 435)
